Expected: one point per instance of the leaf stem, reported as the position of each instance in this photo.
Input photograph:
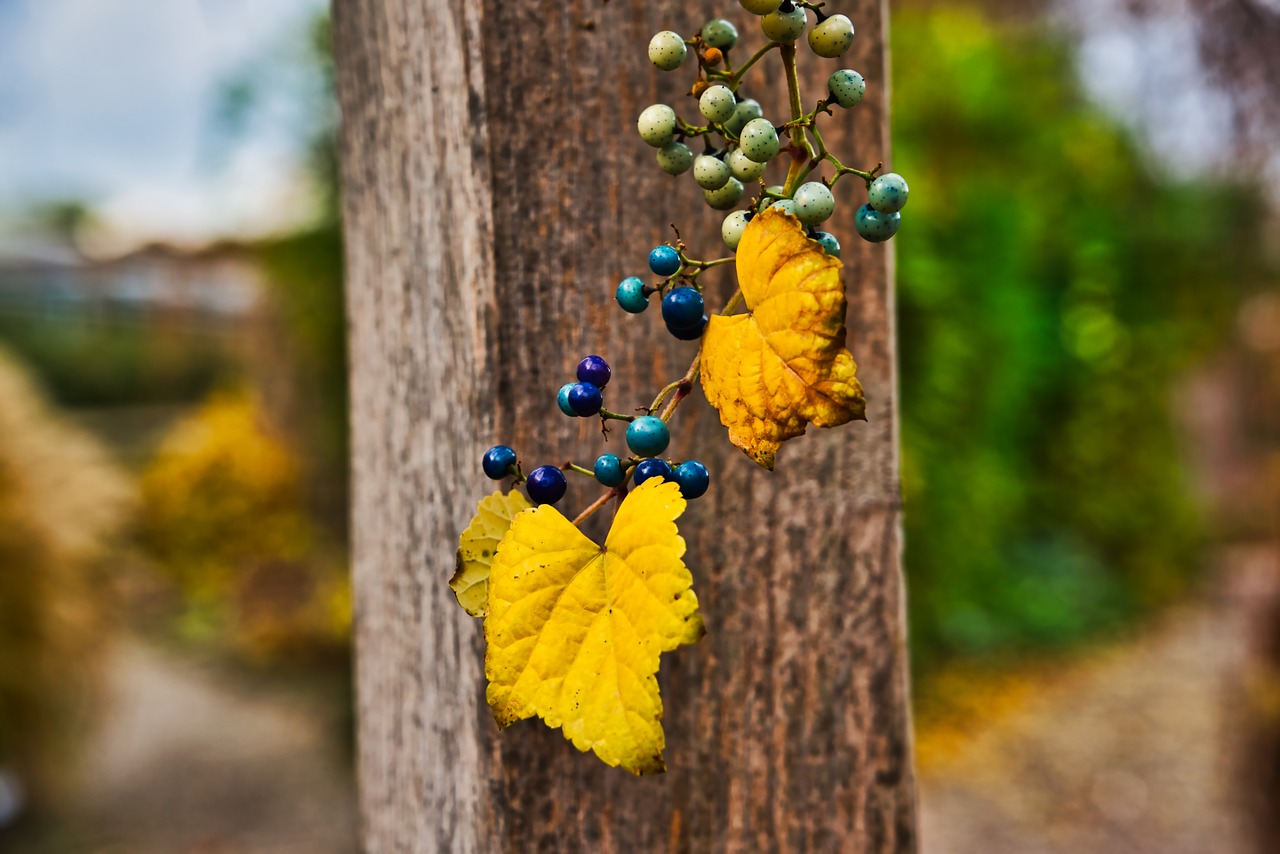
(616, 492)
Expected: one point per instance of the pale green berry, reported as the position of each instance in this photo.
(657, 125)
(784, 27)
(828, 242)
(760, 7)
(747, 109)
(720, 33)
(774, 189)
(847, 87)
(725, 197)
(717, 103)
(675, 158)
(743, 167)
(832, 37)
(759, 140)
(814, 202)
(667, 50)
(785, 205)
(733, 226)
(888, 193)
(710, 172)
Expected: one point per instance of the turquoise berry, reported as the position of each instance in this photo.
(546, 485)
(847, 87)
(609, 470)
(747, 109)
(782, 26)
(692, 478)
(743, 167)
(733, 226)
(664, 261)
(710, 172)
(814, 202)
(832, 37)
(648, 436)
(828, 242)
(720, 33)
(759, 140)
(717, 103)
(657, 125)
(498, 462)
(667, 50)
(725, 197)
(562, 399)
(888, 193)
(631, 296)
(650, 468)
(585, 399)
(674, 158)
(594, 369)
(875, 226)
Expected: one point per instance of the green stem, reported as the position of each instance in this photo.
(579, 469)
(798, 138)
(615, 416)
(736, 78)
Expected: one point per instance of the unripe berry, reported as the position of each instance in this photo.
(726, 197)
(633, 300)
(546, 485)
(650, 468)
(785, 205)
(664, 260)
(675, 158)
(759, 140)
(657, 125)
(497, 462)
(743, 167)
(719, 33)
(874, 226)
(760, 7)
(828, 242)
(712, 56)
(562, 398)
(784, 27)
(648, 436)
(747, 109)
(609, 470)
(832, 37)
(888, 193)
(733, 226)
(692, 478)
(717, 104)
(667, 50)
(814, 202)
(847, 87)
(710, 172)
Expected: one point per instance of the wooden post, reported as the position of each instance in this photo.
(495, 193)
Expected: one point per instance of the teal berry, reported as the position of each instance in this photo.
(832, 37)
(667, 50)
(784, 26)
(646, 469)
(609, 470)
(648, 436)
(562, 398)
(760, 7)
(546, 485)
(733, 226)
(675, 158)
(888, 193)
(631, 297)
(710, 172)
(692, 478)
(743, 167)
(814, 203)
(759, 140)
(847, 87)
(720, 33)
(747, 109)
(828, 242)
(726, 197)
(498, 462)
(657, 125)
(664, 261)
(874, 226)
(717, 103)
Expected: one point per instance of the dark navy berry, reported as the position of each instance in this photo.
(648, 436)
(664, 261)
(594, 370)
(546, 485)
(689, 333)
(498, 461)
(562, 400)
(646, 469)
(609, 470)
(585, 398)
(693, 479)
(631, 295)
(682, 308)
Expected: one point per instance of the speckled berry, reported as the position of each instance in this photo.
(875, 226)
(847, 87)
(667, 50)
(595, 370)
(782, 26)
(747, 109)
(828, 242)
(689, 333)
(631, 296)
(585, 399)
(664, 260)
(814, 202)
(759, 141)
(733, 226)
(562, 399)
(546, 485)
(719, 33)
(726, 197)
(710, 172)
(682, 307)
(785, 205)
(609, 470)
(888, 193)
(743, 167)
(760, 7)
(692, 478)
(832, 37)
(717, 103)
(498, 462)
(651, 468)
(648, 436)
(657, 125)
(675, 158)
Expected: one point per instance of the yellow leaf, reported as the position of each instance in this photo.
(783, 364)
(575, 630)
(477, 546)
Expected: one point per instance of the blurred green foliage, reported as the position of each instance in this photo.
(1052, 291)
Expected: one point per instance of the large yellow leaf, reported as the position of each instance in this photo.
(477, 546)
(575, 630)
(783, 364)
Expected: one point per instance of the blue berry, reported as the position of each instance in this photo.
(546, 485)
(498, 461)
(562, 400)
(682, 308)
(689, 333)
(828, 242)
(875, 226)
(595, 370)
(693, 479)
(585, 399)
(665, 261)
(648, 436)
(631, 295)
(646, 469)
(609, 470)
(888, 193)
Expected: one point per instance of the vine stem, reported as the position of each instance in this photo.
(798, 138)
(736, 77)
(617, 492)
